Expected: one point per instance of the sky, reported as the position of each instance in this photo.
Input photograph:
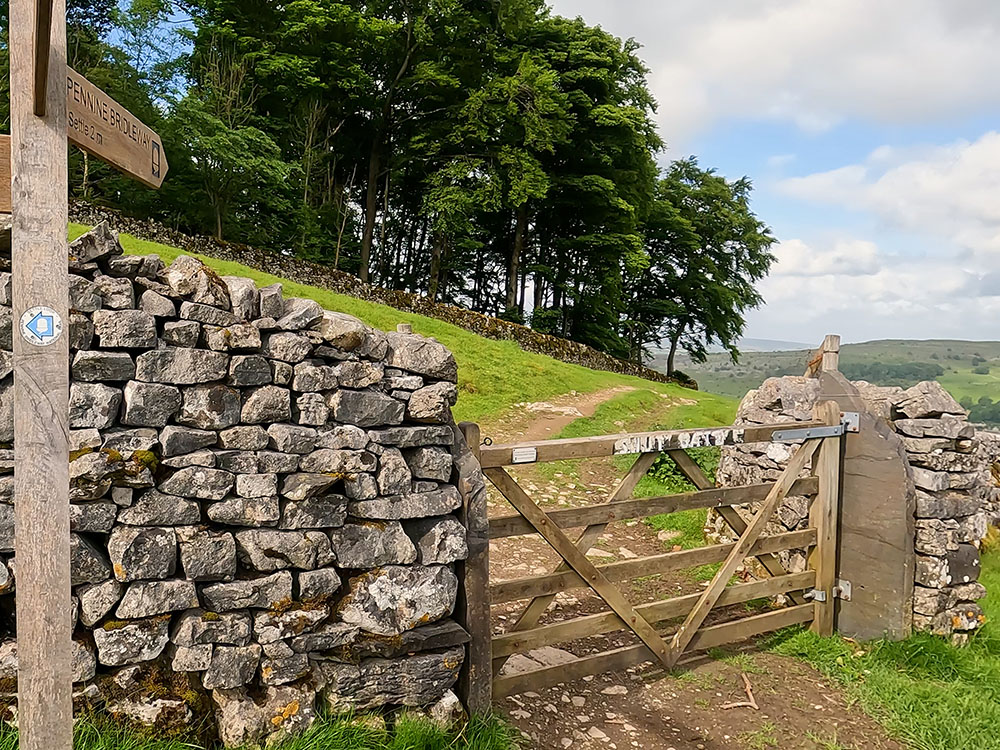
(871, 132)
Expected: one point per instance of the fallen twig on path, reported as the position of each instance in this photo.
(750, 702)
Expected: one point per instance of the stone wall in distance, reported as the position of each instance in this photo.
(262, 502)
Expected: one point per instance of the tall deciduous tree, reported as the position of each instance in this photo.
(707, 250)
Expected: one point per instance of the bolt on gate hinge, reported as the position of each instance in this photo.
(841, 591)
(850, 421)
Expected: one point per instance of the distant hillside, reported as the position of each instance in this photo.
(970, 370)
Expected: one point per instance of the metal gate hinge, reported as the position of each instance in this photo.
(841, 591)
(850, 421)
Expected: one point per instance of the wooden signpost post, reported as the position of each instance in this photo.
(50, 105)
(40, 280)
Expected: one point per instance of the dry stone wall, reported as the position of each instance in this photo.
(317, 274)
(262, 501)
(954, 488)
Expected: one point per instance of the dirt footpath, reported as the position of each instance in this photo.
(643, 707)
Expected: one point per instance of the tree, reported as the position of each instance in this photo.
(706, 250)
(234, 161)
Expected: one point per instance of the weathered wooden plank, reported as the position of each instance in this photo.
(578, 561)
(655, 612)
(642, 442)
(41, 387)
(524, 588)
(876, 523)
(823, 517)
(730, 515)
(43, 53)
(103, 127)
(720, 497)
(472, 608)
(779, 490)
(628, 656)
(537, 606)
(4, 174)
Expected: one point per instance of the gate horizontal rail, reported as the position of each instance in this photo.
(820, 486)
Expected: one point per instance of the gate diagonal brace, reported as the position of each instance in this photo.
(850, 421)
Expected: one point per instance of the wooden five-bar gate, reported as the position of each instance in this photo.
(813, 471)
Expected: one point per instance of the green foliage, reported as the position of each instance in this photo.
(705, 251)
(492, 155)
(928, 693)
(902, 374)
(889, 362)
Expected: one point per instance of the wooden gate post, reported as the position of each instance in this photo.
(472, 610)
(40, 287)
(823, 516)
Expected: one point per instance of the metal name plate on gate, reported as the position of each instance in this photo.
(523, 456)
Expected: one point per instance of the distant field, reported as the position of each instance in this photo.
(957, 360)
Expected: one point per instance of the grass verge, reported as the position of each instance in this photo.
(492, 375)
(926, 692)
(481, 733)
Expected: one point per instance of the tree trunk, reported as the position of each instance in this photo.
(218, 222)
(437, 253)
(674, 341)
(371, 209)
(514, 261)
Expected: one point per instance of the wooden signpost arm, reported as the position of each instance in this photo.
(41, 382)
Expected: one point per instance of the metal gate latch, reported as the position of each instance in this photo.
(850, 421)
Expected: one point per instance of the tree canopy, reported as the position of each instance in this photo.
(486, 153)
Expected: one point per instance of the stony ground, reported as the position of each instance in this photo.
(643, 707)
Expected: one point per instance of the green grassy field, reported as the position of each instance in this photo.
(411, 733)
(956, 358)
(928, 693)
(492, 375)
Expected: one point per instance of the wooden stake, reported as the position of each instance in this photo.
(823, 517)
(41, 381)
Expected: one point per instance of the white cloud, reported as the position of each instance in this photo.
(810, 62)
(844, 258)
(952, 192)
(851, 287)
